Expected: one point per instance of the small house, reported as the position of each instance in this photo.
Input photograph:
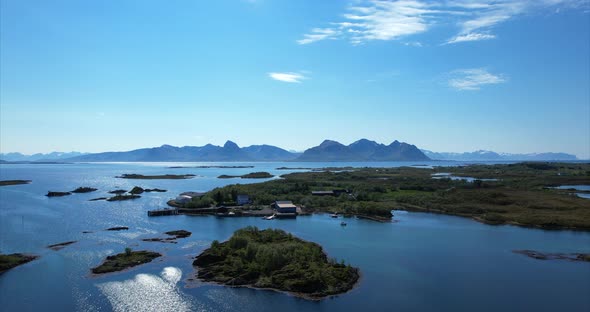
(243, 200)
(285, 207)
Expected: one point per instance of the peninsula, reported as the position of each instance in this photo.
(275, 260)
(522, 194)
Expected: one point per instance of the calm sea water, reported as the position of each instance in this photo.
(421, 262)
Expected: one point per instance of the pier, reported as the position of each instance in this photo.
(162, 212)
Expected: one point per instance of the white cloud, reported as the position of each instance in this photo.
(368, 20)
(473, 79)
(287, 77)
(470, 37)
(376, 20)
(318, 34)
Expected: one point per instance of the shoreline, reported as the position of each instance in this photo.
(299, 295)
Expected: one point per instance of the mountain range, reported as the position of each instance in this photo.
(363, 150)
(482, 155)
(328, 150)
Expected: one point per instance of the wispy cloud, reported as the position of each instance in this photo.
(470, 37)
(473, 79)
(287, 77)
(368, 20)
(318, 34)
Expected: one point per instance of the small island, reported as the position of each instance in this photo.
(176, 235)
(60, 246)
(155, 177)
(57, 194)
(275, 260)
(211, 167)
(84, 189)
(123, 197)
(554, 256)
(118, 228)
(8, 262)
(125, 260)
(140, 190)
(14, 182)
(252, 175)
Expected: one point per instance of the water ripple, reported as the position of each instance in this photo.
(147, 292)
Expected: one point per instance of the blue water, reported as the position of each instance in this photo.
(420, 262)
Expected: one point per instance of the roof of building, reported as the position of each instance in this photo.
(285, 205)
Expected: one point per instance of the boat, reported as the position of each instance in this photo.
(343, 223)
(334, 215)
(269, 217)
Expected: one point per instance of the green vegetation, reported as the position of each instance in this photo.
(276, 260)
(14, 182)
(156, 177)
(125, 260)
(252, 175)
(57, 194)
(8, 262)
(123, 197)
(84, 190)
(521, 196)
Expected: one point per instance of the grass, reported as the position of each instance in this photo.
(8, 262)
(274, 259)
(520, 196)
(125, 260)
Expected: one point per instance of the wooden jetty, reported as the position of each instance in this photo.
(162, 212)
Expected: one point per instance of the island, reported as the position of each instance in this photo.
(211, 167)
(252, 175)
(10, 261)
(14, 182)
(57, 194)
(84, 190)
(118, 228)
(125, 260)
(123, 197)
(176, 234)
(522, 194)
(156, 177)
(275, 260)
(140, 190)
(554, 256)
(60, 245)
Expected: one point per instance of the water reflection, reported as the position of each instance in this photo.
(147, 292)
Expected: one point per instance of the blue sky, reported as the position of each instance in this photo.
(92, 76)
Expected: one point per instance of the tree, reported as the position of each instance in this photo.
(128, 251)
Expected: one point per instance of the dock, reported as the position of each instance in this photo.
(162, 212)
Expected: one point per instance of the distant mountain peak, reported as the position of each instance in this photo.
(362, 150)
(327, 143)
(230, 145)
(364, 142)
